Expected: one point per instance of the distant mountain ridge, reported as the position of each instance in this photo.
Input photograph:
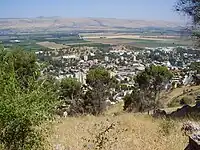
(59, 23)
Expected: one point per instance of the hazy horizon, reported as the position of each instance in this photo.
(118, 9)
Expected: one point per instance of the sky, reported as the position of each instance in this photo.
(122, 9)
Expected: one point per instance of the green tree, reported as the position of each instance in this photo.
(22, 111)
(191, 8)
(70, 88)
(149, 84)
(99, 81)
(23, 64)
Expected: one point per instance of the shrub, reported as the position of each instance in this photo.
(23, 109)
(186, 101)
(174, 103)
(105, 136)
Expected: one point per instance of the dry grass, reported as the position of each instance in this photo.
(167, 98)
(122, 131)
(130, 132)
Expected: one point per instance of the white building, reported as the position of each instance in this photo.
(81, 77)
(85, 58)
(106, 58)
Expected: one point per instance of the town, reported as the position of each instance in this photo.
(100, 75)
(123, 62)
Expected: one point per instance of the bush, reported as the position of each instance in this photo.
(186, 101)
(183, 101)
(103, 136)
(174, 103)
(23, 110)
(21, 114)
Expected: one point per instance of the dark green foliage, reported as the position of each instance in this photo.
(70, 88)
(149, 84)
(99, 81)
(98, 75)
(71, 94)
(133, 101)
(23, 110)
(90, 98)
(23, 64)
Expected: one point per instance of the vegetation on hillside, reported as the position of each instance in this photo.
(25, 101)
(146, 93)
(124, 132)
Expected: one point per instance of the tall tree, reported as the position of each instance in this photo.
(23, 63)
(149, 84)
(98, 80)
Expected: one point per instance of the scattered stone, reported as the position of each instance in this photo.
(192, 130)
(190, 127)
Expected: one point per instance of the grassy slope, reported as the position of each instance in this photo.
(131, 132)
(167, 98)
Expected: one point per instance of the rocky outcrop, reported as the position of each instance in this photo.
(185, 111)
(192, 130)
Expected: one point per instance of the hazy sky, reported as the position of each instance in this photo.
(131, 9)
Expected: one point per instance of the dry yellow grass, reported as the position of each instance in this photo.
(131, 132)
(168, 97)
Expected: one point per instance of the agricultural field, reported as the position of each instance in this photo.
(38, 41)
(138, 40)
(56, 40)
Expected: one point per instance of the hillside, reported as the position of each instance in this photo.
(58, 23)
(128, 132)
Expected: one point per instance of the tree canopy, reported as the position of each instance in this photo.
(23, 108)
(148, 85)
(99, 82)
(191, 8)
(23, 64)
(70, 87)
(97, 76)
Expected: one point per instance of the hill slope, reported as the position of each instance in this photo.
(128, 132)
(55, 23)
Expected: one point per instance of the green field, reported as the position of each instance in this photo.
(29, 41)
